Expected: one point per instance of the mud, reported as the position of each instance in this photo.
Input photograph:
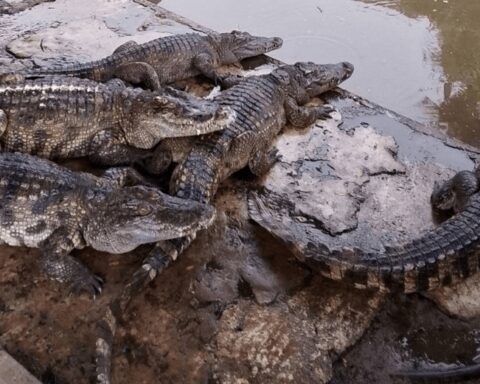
(237, 307)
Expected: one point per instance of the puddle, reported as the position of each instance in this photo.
(413, 146)
(415, 57)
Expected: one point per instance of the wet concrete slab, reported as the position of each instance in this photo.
(237, 307)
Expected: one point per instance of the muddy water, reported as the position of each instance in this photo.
(419, 58)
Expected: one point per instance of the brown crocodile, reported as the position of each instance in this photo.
(263, 105)
(169, 59)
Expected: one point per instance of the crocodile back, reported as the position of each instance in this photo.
(171, 57)
(258, 105)
(33, 195)
(55, 117)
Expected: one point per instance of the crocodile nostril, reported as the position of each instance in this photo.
(277, 41)
(348, 67)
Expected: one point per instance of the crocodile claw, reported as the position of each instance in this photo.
(274, 156)
(324, 112)
(90, 284)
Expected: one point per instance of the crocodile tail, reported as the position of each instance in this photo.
(106, 328)
(441, 375)
(197, 177)
(99, 70)
(442, 255)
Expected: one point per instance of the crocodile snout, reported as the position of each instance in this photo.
(348, 68)
(277, 42)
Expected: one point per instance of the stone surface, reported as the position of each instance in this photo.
(13, 373)
(323, 169)
(461, 300)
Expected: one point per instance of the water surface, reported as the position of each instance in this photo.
(419, 58)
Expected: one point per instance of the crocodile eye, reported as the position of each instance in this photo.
(144, 210)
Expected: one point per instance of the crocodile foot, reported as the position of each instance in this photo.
(324, 111)
(88, 283)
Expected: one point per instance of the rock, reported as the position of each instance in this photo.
(461, 299)
(292, 341)
(12, 372)
(323, 169)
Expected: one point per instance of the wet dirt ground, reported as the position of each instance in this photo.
(237, 307)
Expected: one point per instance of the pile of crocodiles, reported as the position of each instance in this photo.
(122, 111)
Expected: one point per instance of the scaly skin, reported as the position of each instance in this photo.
(263, 105)
(49, 207)
(60, 118)
(169, 59)
(442, 255)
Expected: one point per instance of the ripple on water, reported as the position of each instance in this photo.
(395, 56)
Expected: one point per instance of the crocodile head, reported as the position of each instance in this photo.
(173, 113)
(455, 192)
(442, 197)
(318, 78)
(128, 217)
(235, 46)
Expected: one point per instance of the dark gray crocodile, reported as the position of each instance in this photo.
(263, 105)
(60, 117)
(439, 257)
(169, 59)
(49, 207)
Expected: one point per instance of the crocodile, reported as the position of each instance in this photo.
(442, 255)
(60, 117)
(169, 59)
(46, 206)
(263, 106)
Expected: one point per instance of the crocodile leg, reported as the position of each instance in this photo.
(230, 81)
(261, 162)
(107, 148)
(138, 73)
(302, 117)
(160, 161)
(125, 46)
(60, 266)
(205, 65)
(125, 176)
(162, 255)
